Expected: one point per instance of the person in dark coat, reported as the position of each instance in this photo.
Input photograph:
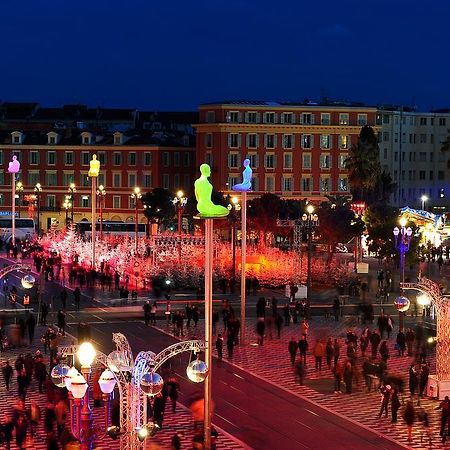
(61, 322)
(44, 313)
(173, 388)
(375, 340)
(28, 363)
(147, 309)
(385, 397)
(195, 315)
(260, 328)
(76, 298)
(21, 427)
(413, 380)
(63, 298)
(303, 348)
(292, 349)
(348, 377)
(158, 410)
(40, 372)
(444, 406)
(384, 351)
(230, 345)
(7, 373)
(401, 343)
(423, 378)
(395, 405)
(219, 346)
(409, 415)
(49, 418)
(31, 325)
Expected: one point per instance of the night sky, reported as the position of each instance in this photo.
(175, 54)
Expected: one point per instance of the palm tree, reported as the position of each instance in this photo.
(363, 164)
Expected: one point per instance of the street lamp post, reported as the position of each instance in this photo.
(72, 189)
(308, 224)
(37, 192)
(101, 193)
(402, 240)
(67, 205)
(234, 207)
(180, 202)
(136, 195)
(19, 193)
(423, 199)
(94, 170)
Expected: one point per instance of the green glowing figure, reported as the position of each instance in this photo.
(203, 191)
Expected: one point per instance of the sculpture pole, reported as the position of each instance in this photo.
(93, 224)
(208, 329)
(243, 263)
(13, 209)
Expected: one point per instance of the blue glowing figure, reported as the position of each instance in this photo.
(246, 184)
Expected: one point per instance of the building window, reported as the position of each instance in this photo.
(147, 181)
(306, 184)
(442, 122)
(50, 201)
(252, 117)
(286, 184)
(1, 156)
(68, 178)
(307, 118)
(325, 118)
(385, 153)
(344, 119)
(287, 117)
(68, 158)
(34, 158)
(117, 180)
(423, 121)
(252, 140)
(51, 158)
(132, 180)
(254, 160)
(269, 117)
(165, 159)
(16, 139)
(385, 136)
(325, 161)
(307, 160)
(187, 159)
(287, 160)
(288, 141)
(208, 140)
(441, 175)
(269, 161)
(147, 159)
(84, 180)
(362, 119)
(85, 158)
(233, 117)
(423, 138)
(431, 175)
(85, 201)
(324, 184)
(166, 181)
(343, 141)
(307, 141)
(341, 161)
(51, 179)
(386, 119)
(325, 141)
(270, 141)
(233, 140)
(343, 184)
(234, 160)
(176, 159)
(422, 157)
(132, 158)
(116, 201)
(33, 178)
(422, 175)
(270, 183)
(117, 159)
(118, 138)
(209, 159)
(210, 117)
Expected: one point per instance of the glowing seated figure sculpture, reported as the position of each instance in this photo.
(246, 184)
(94, 167)
(14, 165)
(203, 190)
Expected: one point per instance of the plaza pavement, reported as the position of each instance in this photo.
(180, 422)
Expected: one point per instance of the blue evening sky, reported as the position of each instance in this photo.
(175, 54)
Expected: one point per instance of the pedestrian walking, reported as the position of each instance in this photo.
(40, 373)
(219, 346)
(401, 343)
(230, 345)
(375, 340)
(76, 298)
(292, 349)
(195, 315)
(444, 406)
(303, 348)
(348, 377)
(329, 352)
(382, 323)
(395, 405)
(44, 313)
(260, 328)
(338, 371)
(153, 311)
(304, 327)
(34, 414)
(319, 352)
(384, 351)
(173, 388)
(7, 371)
(279, 324)
(385, 398)
(300, 371)
(409, 416)
(31, 325)
(336, 351)
(336, 308)
(146, 309)
(423, 378)
(61, 321)
(410, 337)
(22, 384)
(21, 428)
(423, 418)
(287, 315)
(413, 380)
(63, 298)
(188, 310)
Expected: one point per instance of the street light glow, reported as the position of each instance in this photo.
(403, 222)
(310, 209)
(86, 354)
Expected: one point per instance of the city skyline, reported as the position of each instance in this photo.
(174, 56)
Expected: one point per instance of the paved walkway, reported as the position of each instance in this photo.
(180, 422)
(271, 362)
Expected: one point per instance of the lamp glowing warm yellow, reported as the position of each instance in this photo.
(86, 354)
(403, 222)
(180, 194)
(310, 209)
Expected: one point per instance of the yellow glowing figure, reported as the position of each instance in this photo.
(94, 167)
(203, 191)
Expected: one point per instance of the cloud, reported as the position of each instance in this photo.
(333, 31)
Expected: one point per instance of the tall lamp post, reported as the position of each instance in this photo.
(19, 193)
(72, 189)
(67, 205)
(423, 199)
(101, 194)
(308, 225)
(37, 192)
(180, 202)
(234, 207)
(94, 170)
(402, 240)
(136, 195)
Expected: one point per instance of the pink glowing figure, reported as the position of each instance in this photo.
(14, 165)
